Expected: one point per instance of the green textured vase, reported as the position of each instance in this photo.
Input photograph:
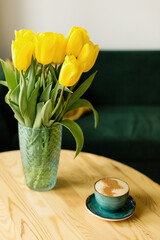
(40, 153)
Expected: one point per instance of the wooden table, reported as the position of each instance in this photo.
(61, 213)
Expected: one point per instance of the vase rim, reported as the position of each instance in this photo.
(41, 128)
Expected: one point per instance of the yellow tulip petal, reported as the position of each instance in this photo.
(70, 32)
(27, 35)
(24, 34)
(59, 49)
(75, 40)
(25, 56)
(70, 72)
(88, 55)
(22, 52)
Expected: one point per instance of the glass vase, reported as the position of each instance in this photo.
(40, 153)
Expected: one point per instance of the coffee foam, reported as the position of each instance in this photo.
(111, 187)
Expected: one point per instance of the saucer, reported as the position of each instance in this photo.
(122, 214)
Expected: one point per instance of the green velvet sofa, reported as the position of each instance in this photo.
(126, 94)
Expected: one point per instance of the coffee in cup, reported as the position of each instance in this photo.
(111, 193)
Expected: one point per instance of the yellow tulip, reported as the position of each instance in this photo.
(44, 47)
(50, 47)
(75, 40)
(22, 52)
(27, 35)
(70, 72)
(59, 49)
(88, 55)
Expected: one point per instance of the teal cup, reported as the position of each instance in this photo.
(111, 194)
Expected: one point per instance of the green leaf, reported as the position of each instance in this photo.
(66, 89)
(59, 102)
(81, 90)
(26, 72)
(19, 118)
(57, 112)
(30, 113)
(54, 93)
(14, 96)
(46, 94)
(43, 82)
(31, 78)
(46, 113)
(22, 96)
(17, 75)
(49, 124)
(9, 75)
(38, 82)
(52, 70)
(17, 115)
(14, 107)
(76, 132)
(50, 80)
(7, 97)
(38, 119)
(39, 72)
(59, 68)
(4, 83)
(84, 103)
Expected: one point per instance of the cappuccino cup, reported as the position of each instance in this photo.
(111, 193)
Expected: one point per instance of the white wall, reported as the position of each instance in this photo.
(113, 24)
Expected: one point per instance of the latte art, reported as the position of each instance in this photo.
(111, 187)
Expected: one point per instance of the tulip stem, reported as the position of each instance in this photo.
(59, 102)
(64, 106)
(21, 75)
(56, 68)
(43, 72)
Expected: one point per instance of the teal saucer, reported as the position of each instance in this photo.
(122, 214)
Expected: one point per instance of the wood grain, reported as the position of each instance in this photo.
(61, 212)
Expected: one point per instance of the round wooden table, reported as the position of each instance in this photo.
(61, 213)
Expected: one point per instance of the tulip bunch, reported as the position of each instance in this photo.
(47, 67)
(76, 52)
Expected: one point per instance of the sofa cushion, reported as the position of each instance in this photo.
(127, 134)
(139, 124)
